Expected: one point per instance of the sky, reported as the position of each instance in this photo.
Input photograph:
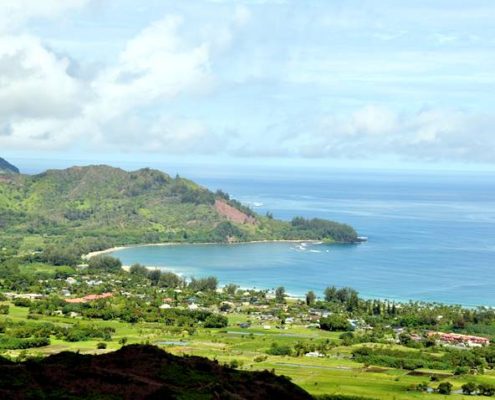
(384, 83)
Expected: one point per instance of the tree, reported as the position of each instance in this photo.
(445, 388)
(280, 294)
(216, 321)
(169, 279)
(231, 289)
(335, 322)
(154, 276)
(310, 298)
(352, 302)
(330, 293)
(60, 256)
(204, 284)
(138, 269)
(104, 263)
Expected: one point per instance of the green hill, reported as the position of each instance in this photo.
(7, 168)
(100, 206)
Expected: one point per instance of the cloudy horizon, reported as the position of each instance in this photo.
(344, 82)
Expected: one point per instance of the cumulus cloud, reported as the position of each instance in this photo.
(428, 134)
(125, 105)
(213, 77)
(34, 82)
(154, 67)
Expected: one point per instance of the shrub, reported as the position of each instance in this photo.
(485, 389)
(20, 302)
(445, 388)
(216, 321)
(279, 350)
(469, 388)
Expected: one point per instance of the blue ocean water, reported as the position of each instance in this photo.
(431, 236)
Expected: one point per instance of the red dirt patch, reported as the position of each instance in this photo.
(232, 213)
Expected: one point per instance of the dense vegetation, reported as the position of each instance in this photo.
(82, 209)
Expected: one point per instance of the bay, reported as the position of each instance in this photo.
(431, 236)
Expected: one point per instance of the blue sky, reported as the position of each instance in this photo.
(361, 83)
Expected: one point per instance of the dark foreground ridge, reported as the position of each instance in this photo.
(138, 372)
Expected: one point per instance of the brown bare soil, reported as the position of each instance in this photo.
(233, 214)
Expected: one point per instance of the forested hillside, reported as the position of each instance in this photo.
(100, 206)
(7, 168)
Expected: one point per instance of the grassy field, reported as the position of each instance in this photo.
(336, 373)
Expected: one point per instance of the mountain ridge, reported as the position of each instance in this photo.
(109, 206)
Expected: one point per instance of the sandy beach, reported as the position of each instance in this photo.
(112, 249)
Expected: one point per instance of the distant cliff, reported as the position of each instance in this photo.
(7, 168)
(138, 372)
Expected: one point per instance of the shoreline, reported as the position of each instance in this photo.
(130, 246)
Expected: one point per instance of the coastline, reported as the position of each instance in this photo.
(292, 296)
(130, 246)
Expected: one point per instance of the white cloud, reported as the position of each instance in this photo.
(242, 15)
(290, 80)
(15, 13)
(34, 82)
(125, 105)
(430, 134)
(155, 66)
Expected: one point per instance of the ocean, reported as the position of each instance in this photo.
(431, 236)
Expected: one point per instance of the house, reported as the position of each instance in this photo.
(29, 296)
(456, 339)
(314, 354)
(89, 298)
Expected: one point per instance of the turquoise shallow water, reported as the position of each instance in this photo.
(431, 237)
